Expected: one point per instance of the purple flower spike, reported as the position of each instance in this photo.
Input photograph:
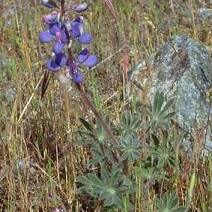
(78, 77)
(49, 3)
(80, 7)
(45, 37)
(91, 61)
(58, 47)
(85, 38)
(83, 55)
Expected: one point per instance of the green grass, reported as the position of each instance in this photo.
(40, 133)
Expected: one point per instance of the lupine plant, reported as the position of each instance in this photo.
(110, 179)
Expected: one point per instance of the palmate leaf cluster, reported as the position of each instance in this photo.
(110, 186)
(130, 124)
(109, 181)
(130, 148)
(169, 203)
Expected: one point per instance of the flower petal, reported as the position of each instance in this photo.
(52, 66)
(58, 47)
(76, 29)
(78, 77)
(91, 61)
(80, 7)
(49, 3)
(60, 59)
(85, 38)
(54, 28)
(83, 55)
(64, 37)
(45, 37)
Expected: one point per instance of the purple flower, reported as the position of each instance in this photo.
(54, 28)
(83, 55)
(58, 47)
(78, 77)
(85, 38)
(86, 59)
(45, 37)
(76, 27)
(80, 7)
(91, 61)
(57, 62)
(55, 32)
(49, 3)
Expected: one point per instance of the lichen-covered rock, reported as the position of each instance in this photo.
(204, 14)
(183, 69)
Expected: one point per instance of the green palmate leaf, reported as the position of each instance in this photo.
(110, 186)
(160, 114)
(130, 148)
(158, 102)
(167, 106)
(130, 123)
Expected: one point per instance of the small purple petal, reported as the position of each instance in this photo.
(85, 38)
(83, 55)
(60, 59)
(76, 29)
(91, 61)
(49, 3)
(45, 37)
(58, 47)
(54, 28)
(78, 77)
(51, 18)
(80, 7)
(52, 66)
(64, 37)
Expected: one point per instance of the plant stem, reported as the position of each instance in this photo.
(87, 102)
(96, 113)
(62, 7)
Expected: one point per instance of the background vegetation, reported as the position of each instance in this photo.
(44, 147)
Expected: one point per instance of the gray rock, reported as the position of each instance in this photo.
(204, 14)
(183, 69)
